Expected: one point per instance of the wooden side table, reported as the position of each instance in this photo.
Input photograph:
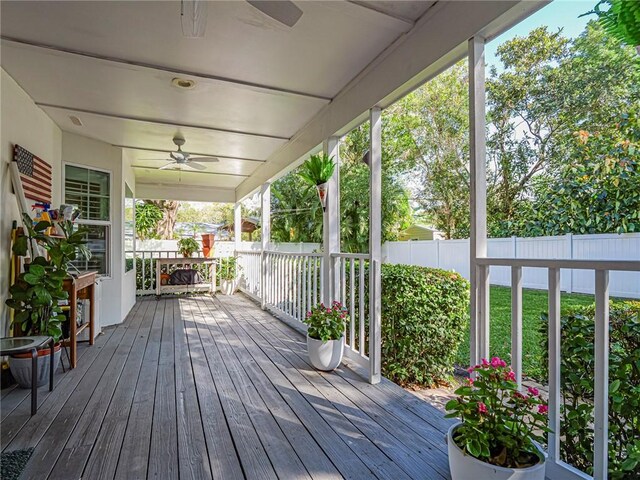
(15, 345)
(79, 287)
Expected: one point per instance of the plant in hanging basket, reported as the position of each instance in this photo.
(316, 171)
(499, 427)
(621, 20)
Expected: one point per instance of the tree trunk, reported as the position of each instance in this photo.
(169, 208)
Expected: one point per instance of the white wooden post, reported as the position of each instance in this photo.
(237, 226)
(375, 244)
(601, 382)
(331, 225)
(265, 236)
(479, 327)
(553, 447)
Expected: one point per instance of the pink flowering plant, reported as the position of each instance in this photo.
(326, 323)
(499, 422)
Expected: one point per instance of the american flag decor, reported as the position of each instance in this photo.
(35, 175)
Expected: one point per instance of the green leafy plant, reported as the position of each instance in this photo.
(36, 294)
(317, 169)
(424, 317)
(499, 423)
(188, 246)
(577, 387)
(228, 269)
(326, 323)
(621, 20)
(148, 215)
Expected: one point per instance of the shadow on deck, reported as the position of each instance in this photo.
(201, 387)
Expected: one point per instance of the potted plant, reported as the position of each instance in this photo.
(36, 295)
(228, 274)
(316, 171)
(621, 20)
(325, 335)
(187, 246)
(499, 429)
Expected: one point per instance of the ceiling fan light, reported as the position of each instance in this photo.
(183, 83)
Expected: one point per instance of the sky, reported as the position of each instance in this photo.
(558, 14)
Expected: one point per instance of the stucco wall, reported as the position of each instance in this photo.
(25, 124)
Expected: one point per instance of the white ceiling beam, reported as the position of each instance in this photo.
(184, 192)
(162, 68)
(199, 172)
(158, 122)
(373, 8)
(199, 154)
(438, 40)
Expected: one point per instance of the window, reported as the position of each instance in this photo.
(90, 191)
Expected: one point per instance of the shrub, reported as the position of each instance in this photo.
(576, 384)
(424, 315)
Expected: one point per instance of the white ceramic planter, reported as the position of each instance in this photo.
(228, 287)
(466, 467)
(21, 369)
(325, 355)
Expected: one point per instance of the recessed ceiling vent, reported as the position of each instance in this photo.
(75, 120)
(184, 83)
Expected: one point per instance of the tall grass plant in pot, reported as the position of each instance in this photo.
(325, 335)
(316, 171)
(500, 429)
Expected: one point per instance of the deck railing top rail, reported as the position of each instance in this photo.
(619, 265)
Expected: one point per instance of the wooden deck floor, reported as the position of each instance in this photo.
(198, 388)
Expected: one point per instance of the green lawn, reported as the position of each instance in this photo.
(534, 302)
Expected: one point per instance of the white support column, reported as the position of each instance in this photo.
(331, 225)
(375, 244)
(601, 381)
(479, 327)
(265, 237)
(237, 226)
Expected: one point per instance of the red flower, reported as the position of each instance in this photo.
(482, 408)
(543, 409)
(533, 391)
(510, 376)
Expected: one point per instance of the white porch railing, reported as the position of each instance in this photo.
(250, 263)
(146, 268)
(556, 468)
(353, 291)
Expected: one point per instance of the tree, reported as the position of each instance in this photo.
(147, 217)
(156, 218)
(598, 191)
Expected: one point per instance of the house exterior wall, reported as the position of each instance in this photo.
(25, 124)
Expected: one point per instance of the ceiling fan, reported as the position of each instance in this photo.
(193, 14)
(180, 159)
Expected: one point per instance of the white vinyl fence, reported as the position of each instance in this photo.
(454, 255)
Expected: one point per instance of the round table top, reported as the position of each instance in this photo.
(9, 345)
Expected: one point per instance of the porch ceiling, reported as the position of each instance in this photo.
(259, 89)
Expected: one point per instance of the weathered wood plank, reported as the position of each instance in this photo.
(279, 451)
(193, 458)
(314, 459)
(74, 456)
(134, 455)
(48, 445)
(337, 445)
(223, 457)
(103, 461)
(163, 456)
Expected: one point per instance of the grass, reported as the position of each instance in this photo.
(534, 302)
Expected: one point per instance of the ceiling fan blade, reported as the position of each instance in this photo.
(165, 159)
(195, 165)
(168, 166)
(283, 11)
(193, 15)
(205, 159)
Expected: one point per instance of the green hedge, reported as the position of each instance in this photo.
(576, 383)
(424, 316)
